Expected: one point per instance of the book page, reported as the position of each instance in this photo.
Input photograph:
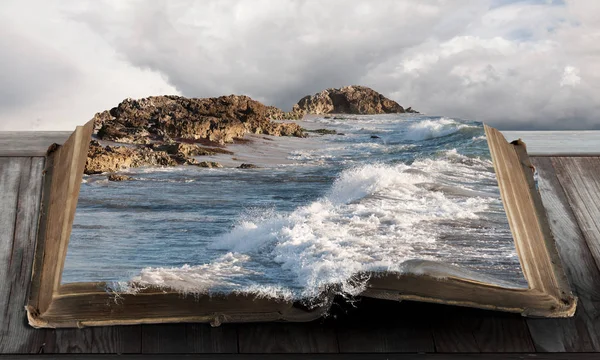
(290, 217)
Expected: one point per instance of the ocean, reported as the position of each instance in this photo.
(370, 195)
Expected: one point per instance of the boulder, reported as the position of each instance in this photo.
(209, 164)
(119, 177)
(347, 100)
(248, 166)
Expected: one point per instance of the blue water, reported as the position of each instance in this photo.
(386, 189)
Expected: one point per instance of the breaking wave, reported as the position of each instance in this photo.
(429, 129)
(373, 219)
(422, 189)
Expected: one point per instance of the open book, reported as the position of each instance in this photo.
(543, 291)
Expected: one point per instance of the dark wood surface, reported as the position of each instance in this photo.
(371, 356)
(367, 328)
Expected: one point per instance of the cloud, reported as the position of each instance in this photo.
(56, 73)
(513, 64)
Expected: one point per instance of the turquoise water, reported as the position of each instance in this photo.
(384, 190)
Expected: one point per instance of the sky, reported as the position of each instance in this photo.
(516, 65)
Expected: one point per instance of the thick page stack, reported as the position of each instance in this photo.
(394, 207)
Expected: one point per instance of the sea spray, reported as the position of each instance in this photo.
(423, 189)
(370, 220)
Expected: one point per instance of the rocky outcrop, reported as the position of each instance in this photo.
(187, 150)
(162, 130)
(161, 118)
(347, 100)
(111, 158)
(167, 130)
(119, 177)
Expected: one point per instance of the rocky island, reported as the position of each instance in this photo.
(173, 130)
(359, 100)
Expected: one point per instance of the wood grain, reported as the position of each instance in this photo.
(503, 333)
(582, 332)
(10, 179)
(164, 338)
(203, 338)
(514, 356)
(99, 340)
(580, 178)
(453, 329)
(189, 338)
(313, 337)
(457, 329)
(20, 194)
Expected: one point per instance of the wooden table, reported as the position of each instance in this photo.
(374, 329)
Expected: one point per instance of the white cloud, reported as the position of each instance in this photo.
(570, 77)
(57, 73)
(516, 64)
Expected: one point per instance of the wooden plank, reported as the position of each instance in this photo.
(471, 330)
(189, 338)
(580, 178)
(313, 337)
(203, 338)
(514, 356)
(98, 340)
(164, 338)
(503, 333)
(20, 194)
(30, 143)
(10, 179)
(382, 326)
(558, 143)
(21, 180)
(582, 332)
(453, 329)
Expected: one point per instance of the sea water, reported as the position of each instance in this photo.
(382, 190)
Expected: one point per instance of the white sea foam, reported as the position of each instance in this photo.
(372, 219)
(199, 278)
(429, 129)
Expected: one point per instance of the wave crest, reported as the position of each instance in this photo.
(430, 129)
(374, 218)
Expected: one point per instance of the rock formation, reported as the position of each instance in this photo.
(161, 118)
(347, 100)
(115, 158)
(119, 177)
(160, 129)
(167, 130)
